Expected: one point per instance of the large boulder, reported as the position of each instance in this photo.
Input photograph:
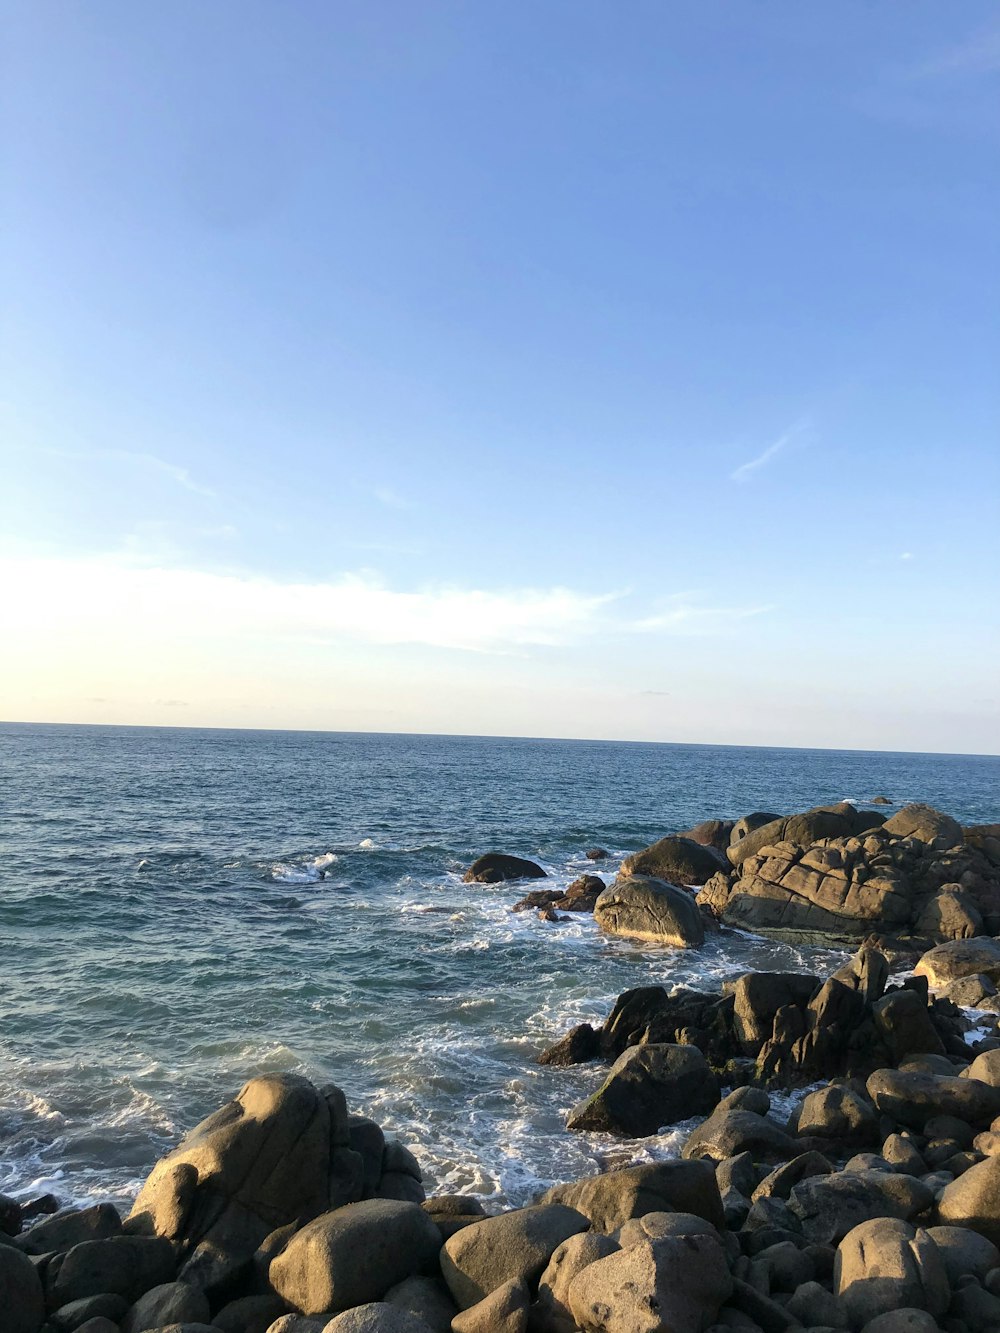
(711, 833)
(647, 1087)
(904, 1024)
(354, 1255)
(21, 1297)
(677, 859)
(643, 908)
(373, 1317)
(169, 1303)
(677, 1283)
(912, 1098)
(124, 1265)
(828, 1207)
(552, 1311)
(731, 1131)
(886, 1264)
(757, 997)
(838, 1113)
(926, 824)
(69, 1227)
(973, 1200)
(504, 1310)
(610, 1199)
(518, 1244)
(281, 1152)
(497, 867)
(960, 958)
(964, 1251)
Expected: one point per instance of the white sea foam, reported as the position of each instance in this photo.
(309, 871)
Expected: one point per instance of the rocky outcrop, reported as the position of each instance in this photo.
(643, 908)
(820, 823)
(677, 859)
(498, 867)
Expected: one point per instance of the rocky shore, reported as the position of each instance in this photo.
(874, 1207)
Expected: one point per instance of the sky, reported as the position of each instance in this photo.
(545, 367)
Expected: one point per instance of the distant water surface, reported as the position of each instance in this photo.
(181, 909)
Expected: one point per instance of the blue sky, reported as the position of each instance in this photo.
(551, 368)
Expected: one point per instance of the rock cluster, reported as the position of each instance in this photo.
(875, 1208)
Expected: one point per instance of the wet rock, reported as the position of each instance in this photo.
(678, 1283)
(514, 1245)
(648, 1087)
(610, 1199)
(497, 867)
(643, 908)
(537, 898)
(597, 854)
(828, 1207)
(169, 1303)
(648, 1014)
(886, 1263)
(354, 1255)
(578, 1046)
(678, 860)
(582, 894)
(21, 1298)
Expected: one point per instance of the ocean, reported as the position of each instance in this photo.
(181, 909)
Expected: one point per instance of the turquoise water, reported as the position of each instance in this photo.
(180, 909)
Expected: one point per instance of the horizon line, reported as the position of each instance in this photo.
(495, 736)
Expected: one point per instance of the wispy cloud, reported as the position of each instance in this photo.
(906, 555)
(178, 474)
(770, 453)
(681, 615)
(391, 499)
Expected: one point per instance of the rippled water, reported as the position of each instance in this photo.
(180, 909)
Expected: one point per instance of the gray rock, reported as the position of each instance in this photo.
(279, 1153)
(123, 1265)
(904, 1024)
(727, 1133)
(758, 996)
(375, 1317)
(985, 1068)
(169, 1303)
(249, 1314)
(927, 825)
(783, 1179)
(70, 1227)
(654, 1226)
(643, 908)
(426, 1298)
(552, 1312)
(21, 1296)
(810, 1302)
(902, 1155)
(885, 1264)
(610, 1199)
(913, 1099)
(504, 1310)
(646, 1088)
(902, 1321)
(973, 1200)
(960, 958)
(839, 1113)
(676, 859)
(828, 1207)
(677, 1284)
(518, 1244)
(964, 1251)
(297, 1323)
(354, 1255)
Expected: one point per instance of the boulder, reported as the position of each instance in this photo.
(912, 1099)
(824, 821)
(249, 1314)
(828, 1207)
(973, 1200)
(642, 908)
(950, 915)
(169, 1303)
(504, 1310)
(279, 1153)
(964, 1251)
(452, 1212)
(75, 1314)
(552, 1312)
(727, 1133)
(578, 1046)
(884, 1264)
(354, 1255)
(678, 1284)
(537, 898)
(518, 1244)
(749, 824)
(71, 1226)
(21, 1296)
(426, 1298)
(925, 824)
(975, 992)
(596, 854)
(647, 1087)
(124, 1265)
(711, 833)
(838, 1112)
(649, 1015)
(757, 997)
(608, 1201)
(960, 958)
(780, 1182)
(497, 867)
(582, 894)
(375, 1317)
(676, 859)
(904, 1024)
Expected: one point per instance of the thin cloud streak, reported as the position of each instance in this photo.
(770, 453)
(178, 474)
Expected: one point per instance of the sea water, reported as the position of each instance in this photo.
(182, 909)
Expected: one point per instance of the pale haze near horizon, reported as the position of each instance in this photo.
(535, 369)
